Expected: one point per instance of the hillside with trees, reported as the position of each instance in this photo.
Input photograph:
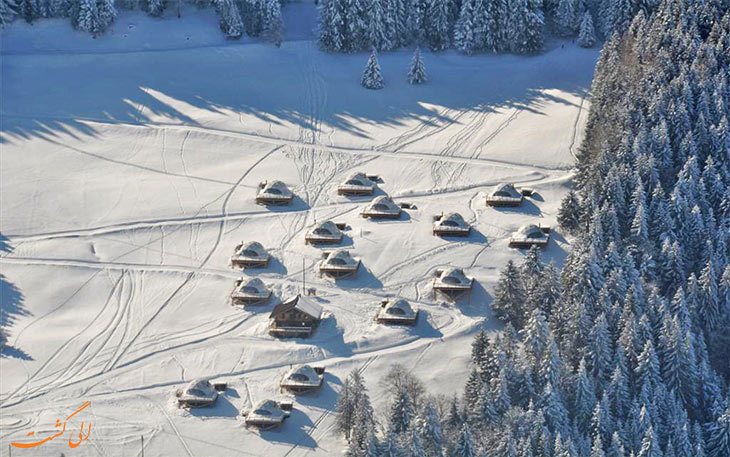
(625, 351)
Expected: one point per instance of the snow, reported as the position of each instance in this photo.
(128, 174)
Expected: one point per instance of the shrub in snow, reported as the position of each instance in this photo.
(417, 72)
(587, 35)
(371, 77)
(230, 18)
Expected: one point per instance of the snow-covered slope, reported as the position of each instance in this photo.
(128, 173)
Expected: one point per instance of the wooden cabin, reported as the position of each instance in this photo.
(302, 379)
(504, 195)
(396, 311)
(250, 254)
(357, 184)
(326, 232)
(268, 414)
(451, 224)
(381, 207)
(295, 317)
(530, 235)
(250, 291)
(452, 282)
(274, 193)
(339, 264)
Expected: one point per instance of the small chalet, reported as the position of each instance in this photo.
(357, 184)
(451, 224)
(530, 235)
(504, 195)
(274, 193)
(381, 207)
(295, 317)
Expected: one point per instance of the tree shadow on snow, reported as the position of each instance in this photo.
(268, 86)
(11, 308)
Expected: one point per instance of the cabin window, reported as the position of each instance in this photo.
(263, 412)
(450, 280)
(299, 377)
(274, 191)
(380, 207)
(449, 223)
(501, 193)
(321, 231)
(535, 234)
(337, 261)
(396, 311)
(250, 253)
(196, 393)
(354, 182)
(249, 290)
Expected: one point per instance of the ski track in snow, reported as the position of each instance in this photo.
(123, 335)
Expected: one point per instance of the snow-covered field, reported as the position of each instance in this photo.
(128, 172)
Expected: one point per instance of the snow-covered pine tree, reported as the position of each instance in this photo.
(8, 11)
(565, 17)
(509, 296)
(718, 435)
(331, 25)
(464, 39)
(401, 413)
(155, 8)
(273, 24)
(417, 71)
(371, 77)
(464, 446)
(88, 17)
(437, 25)
(376, 27)
(586, 34)
(228, 15)
(429, 430)
(29, 10)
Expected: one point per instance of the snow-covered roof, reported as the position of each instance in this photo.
(302, 375)
(199, 388)
(277, 188)
(357, 179)
(266, 410)
(398, 308)
(382, 204)
(340, 258)
(505, 190)
(453, 276)
(300, 303)
(251, 286)
(452, 220)
(252, 249)
(325, 228)
(530, 231)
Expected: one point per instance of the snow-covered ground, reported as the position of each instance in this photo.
(128, 170)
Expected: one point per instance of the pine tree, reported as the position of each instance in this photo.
(569, 214)
(376, 27)
(371, 77)
(437, 29)
(401, 413)
(565, 17)
(718, 435)
(88, 17)
(587, 34)
(464, 446)
(509, 296)
(273, 25)
(8, 11)
(230, 18)
(464, 39)
(429, 430)
(417, 72)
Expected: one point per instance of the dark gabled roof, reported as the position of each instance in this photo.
(303, 304)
